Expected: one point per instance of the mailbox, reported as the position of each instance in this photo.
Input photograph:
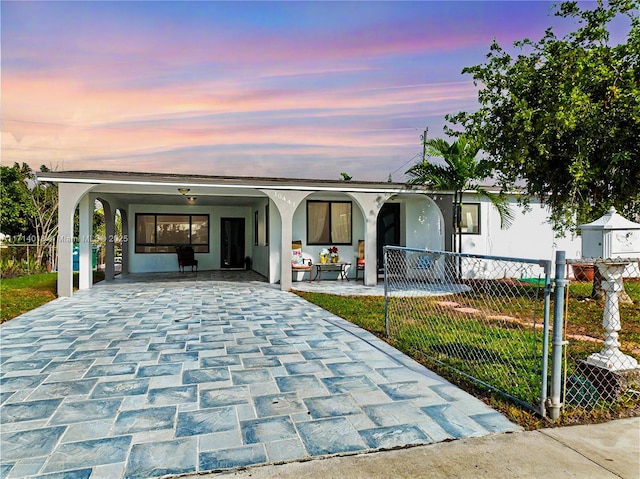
(611, 236)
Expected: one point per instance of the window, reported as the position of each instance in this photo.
(470, 218)
(328, 222)
(157, 233)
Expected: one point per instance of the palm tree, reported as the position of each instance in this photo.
(461, 172)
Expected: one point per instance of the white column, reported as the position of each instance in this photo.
(371, 251)
(68, 196)
(86, 225)
(287, 202)
(125, 241)
(110, 231)
(370, 204)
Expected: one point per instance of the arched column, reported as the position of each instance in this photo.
(370, 205)
(125, 240)
(86, 226)
(286, 202)
(110, 231)
(69, 194)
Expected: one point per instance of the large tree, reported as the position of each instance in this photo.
(461, 171)
(562, 118)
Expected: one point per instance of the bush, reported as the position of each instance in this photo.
(18, 261)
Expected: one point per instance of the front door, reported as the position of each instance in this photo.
(232, 243)
(388, 229)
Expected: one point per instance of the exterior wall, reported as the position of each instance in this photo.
(424, 224)
(345, 252)
(160, 262)
(530, 235)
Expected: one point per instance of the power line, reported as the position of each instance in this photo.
(404, 164)
(424, 153)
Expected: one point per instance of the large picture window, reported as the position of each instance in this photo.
(470, 218)
(328, 222)
(159, 233)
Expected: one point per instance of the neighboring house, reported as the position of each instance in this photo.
(229, 219)
(530, 235)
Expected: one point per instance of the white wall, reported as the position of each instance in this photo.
(159, 262)
(424, 224)
(345, 252)
(530, 235)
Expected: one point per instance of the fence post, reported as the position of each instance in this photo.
(558, 341)
(386, 289)
(548, 290)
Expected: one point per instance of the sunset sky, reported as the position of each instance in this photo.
(295, 89)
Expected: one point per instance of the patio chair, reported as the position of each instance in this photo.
(360, 259)
(425, 267)
(301, 262)
(186, 257)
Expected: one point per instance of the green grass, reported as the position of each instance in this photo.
(24, 293)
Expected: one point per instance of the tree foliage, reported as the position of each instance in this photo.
(29, 208)
(461, 172)
(14, 196)
(563, 116)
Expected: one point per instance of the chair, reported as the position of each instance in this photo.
(301, 262)
(186, 257)
(360, 260)
(425, 267)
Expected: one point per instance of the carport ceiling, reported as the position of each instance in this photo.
(169, 195)
(178, 199)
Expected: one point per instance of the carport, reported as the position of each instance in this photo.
(229, 219)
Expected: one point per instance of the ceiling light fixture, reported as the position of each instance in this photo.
(184, 191)
(192, 199)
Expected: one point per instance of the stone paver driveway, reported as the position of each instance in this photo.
(187, 374)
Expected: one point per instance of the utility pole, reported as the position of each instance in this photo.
(424, 144)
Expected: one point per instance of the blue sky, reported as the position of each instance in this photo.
(286, 89)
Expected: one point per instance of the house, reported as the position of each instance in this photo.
(232, 222)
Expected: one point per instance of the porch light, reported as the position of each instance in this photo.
(191, 199)
(184, 191)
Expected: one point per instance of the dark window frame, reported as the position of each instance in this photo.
(266, 225)
(155, 244)
(331, 241)
(256, 224)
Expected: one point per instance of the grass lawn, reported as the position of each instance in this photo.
(24, 293)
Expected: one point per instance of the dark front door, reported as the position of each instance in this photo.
(388, 228)
(232, 243)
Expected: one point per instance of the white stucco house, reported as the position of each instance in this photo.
(229, 219)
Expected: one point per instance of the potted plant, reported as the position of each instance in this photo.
(324, 255)
(333, 251)
(583, 271)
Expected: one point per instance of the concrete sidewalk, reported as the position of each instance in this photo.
(601, 451)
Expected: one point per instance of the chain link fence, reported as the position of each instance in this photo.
(602, 337)
(485, 317)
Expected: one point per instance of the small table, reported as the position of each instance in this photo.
(340, 266)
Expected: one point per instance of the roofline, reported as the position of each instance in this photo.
(231, 182)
